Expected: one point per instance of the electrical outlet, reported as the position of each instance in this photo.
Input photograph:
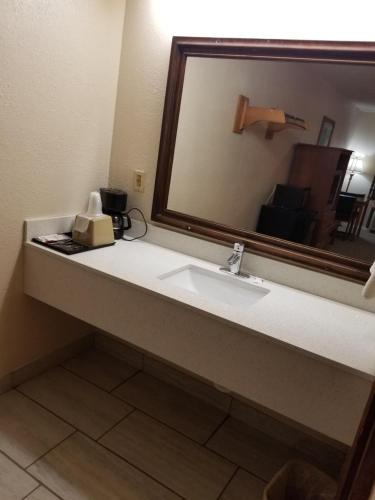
(139, 181)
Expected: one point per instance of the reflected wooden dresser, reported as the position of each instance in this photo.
(322, 169)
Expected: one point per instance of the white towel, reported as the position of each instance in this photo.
(368, 290)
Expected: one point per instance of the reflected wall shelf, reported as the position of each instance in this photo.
(277, 119)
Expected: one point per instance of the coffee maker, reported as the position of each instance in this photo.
(114, 204)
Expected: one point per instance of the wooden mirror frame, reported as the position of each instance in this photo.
(275, 50)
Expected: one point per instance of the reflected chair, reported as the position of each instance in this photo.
(350, 209)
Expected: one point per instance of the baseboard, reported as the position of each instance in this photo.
(119, 349)
(43, 363)
(5, 383)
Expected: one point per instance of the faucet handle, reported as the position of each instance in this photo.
(234, 261)
(239, 247)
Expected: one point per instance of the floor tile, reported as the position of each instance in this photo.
(27, 431)
(41, 494)
(250, 449)
(191, 416)
(101, 369)
(176, 461)
(83, 405)
(244, 486)
(15, 484)
(80, 469)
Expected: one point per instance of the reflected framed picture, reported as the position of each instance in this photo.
(326, 131)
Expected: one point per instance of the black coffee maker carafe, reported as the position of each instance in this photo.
(114, 204)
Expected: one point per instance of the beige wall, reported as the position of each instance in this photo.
(59, 67)
(149, 27)
(227, 177)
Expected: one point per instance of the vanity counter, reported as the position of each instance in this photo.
(321, 328)
(294, 354)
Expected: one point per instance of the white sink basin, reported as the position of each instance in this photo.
(220, 287)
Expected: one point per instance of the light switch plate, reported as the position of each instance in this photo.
(139, 181)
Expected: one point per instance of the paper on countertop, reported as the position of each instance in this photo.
(52, 238)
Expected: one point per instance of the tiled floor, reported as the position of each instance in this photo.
(98, 429)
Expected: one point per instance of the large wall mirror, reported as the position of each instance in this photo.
(272, 143)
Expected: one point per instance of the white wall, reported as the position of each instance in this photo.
(59, 66)
(226, 177)
(362, 140)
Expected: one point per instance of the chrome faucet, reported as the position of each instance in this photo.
(234, 262)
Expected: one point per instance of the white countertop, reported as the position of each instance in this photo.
(333, 332)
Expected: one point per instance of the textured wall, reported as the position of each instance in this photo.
(149, 27)
(59, 67)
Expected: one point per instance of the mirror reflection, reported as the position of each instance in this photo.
(286, 149)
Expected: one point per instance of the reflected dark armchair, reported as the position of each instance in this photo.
(287, 217)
